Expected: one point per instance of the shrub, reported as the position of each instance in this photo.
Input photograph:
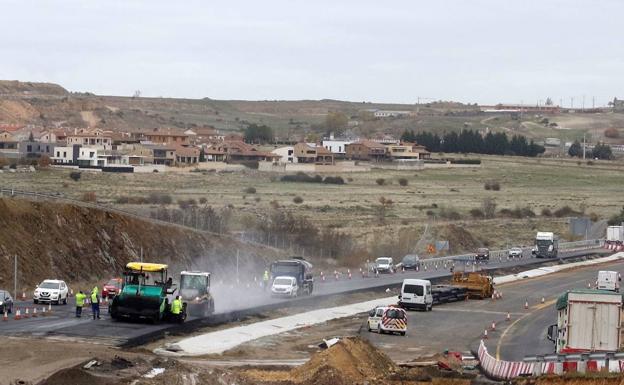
(158, 198)
(477, 213)
(546, 212)
(257, 199)
(492, 185)
(203, 200)
(465, 161)
(75, 175)
(380, 181)
(403, 182)
(611, 132)
(302, 178)
(450, 214)
(298, 199)
(250, 190)
(89, 197)
(565, 211)
(333, 180)
(44, 161)
(489, 207)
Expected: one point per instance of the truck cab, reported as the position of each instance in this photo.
(416, 294)
(297, 268)
(546, 245)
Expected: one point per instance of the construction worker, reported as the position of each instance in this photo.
(265, 280)
(80, 300)
(176, 308)
(95, 303)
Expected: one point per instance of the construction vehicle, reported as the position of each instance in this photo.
(195, 292)
(477, 285)
(146, 293)
(298, 268)
(587, 321)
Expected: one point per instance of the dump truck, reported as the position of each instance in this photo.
(146, 293)
(587, 321)
(298, 268)
(477, 285)
(195, 292)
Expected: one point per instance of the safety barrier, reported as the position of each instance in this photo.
(614, 246)
(553, 364)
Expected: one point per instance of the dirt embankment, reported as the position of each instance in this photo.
(81, 244)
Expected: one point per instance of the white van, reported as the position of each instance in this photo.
(608, 280)
(284, 286)
(416, 294)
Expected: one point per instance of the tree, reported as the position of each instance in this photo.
(549, 102)
(137, 94)
(382, 210)
(575, 149)
(336, 121)
(258, 134)
(408, 136)
(31, 137)
(602, 151)
(202, 155)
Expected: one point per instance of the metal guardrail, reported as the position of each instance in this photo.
(575, 357)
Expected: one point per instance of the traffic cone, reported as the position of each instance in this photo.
(336, 274)
(5, 317)
(49, 308)
(43, 311)
(402, 269)
(26, 315)
(493, 326)
(526, 304)
(508, 317)
(425, 267)
(589, 285)
(349, 271)
(542, 299)
(417, 268)
(18, 314)
(500, 294)
(71, 292)
(34, 313)
(485, 337)
(23, 296)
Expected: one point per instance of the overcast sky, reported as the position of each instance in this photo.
(483, 51)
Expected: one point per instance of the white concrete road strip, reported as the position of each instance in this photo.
(553, 269)
(223, 340)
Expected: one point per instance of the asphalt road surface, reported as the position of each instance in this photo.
(460, 326)
(228, 298)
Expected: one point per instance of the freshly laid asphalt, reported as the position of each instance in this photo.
(244, 299)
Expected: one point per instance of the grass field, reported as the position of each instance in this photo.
(353, 208)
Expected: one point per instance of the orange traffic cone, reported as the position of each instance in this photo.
(322, 278)
(542, 299)
(485, 334)
(349, 271)
(417, 268)
(18, 314)
(526, 304)
(34, 313)
(508, 316)
(26, 315)
(5, 317)
(49, 308)
(23, 296)
(43, 311)
(493, 326)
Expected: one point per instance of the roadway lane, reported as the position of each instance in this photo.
(241, 297)
(460, 326)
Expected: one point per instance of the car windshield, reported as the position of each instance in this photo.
(482, 250)
(383, 261)
(395, 313)
(543, 242)
(113, 282)
(49, 285)
(410, 259)
(3, 294)
(282, 281)
(413, 289)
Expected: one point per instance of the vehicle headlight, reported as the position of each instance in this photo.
(1, 303)
(197, 298)
(550, 248)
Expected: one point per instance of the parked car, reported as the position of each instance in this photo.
(6, 302)
(515, 252)
(52, 291)
(284, 286)
(384, 265)
(483, 254)
(410, 262)
(387, 320)
(112, 288)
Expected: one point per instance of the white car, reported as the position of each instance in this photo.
(284, 286)
(51, 291)
(384, 265)
(387, 320)
(515, 252)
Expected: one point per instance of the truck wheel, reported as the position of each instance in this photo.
(379, 331)
(35, 301)
(368, 326)
(402, 333)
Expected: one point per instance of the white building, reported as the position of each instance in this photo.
(88, 156)
(391, 114)
(64, 155)
(286, 154)
(336, 146)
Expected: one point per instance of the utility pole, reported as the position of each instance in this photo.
(237, 254)
(583, 105)
(141, 253)
(593, 102)
(583, 146)
(15, 278)
(572, 102)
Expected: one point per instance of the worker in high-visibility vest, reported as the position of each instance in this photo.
(95, 303)
(80, 300)
(265, 280)
(176, 308)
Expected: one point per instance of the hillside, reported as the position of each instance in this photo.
(80, 244)
(50, 105)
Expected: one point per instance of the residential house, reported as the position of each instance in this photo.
(214, 155)
(187, 155)
(91, 138)
(67, 155)
(92, 157)
(286, 154)
(164, 155)
(367, 150)
(203, 135)
(238, 151)
(311, 153)
(391, 114)
(9, 146)
(34, 149)
(166, 137)
(337, 146)
(406, 152)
